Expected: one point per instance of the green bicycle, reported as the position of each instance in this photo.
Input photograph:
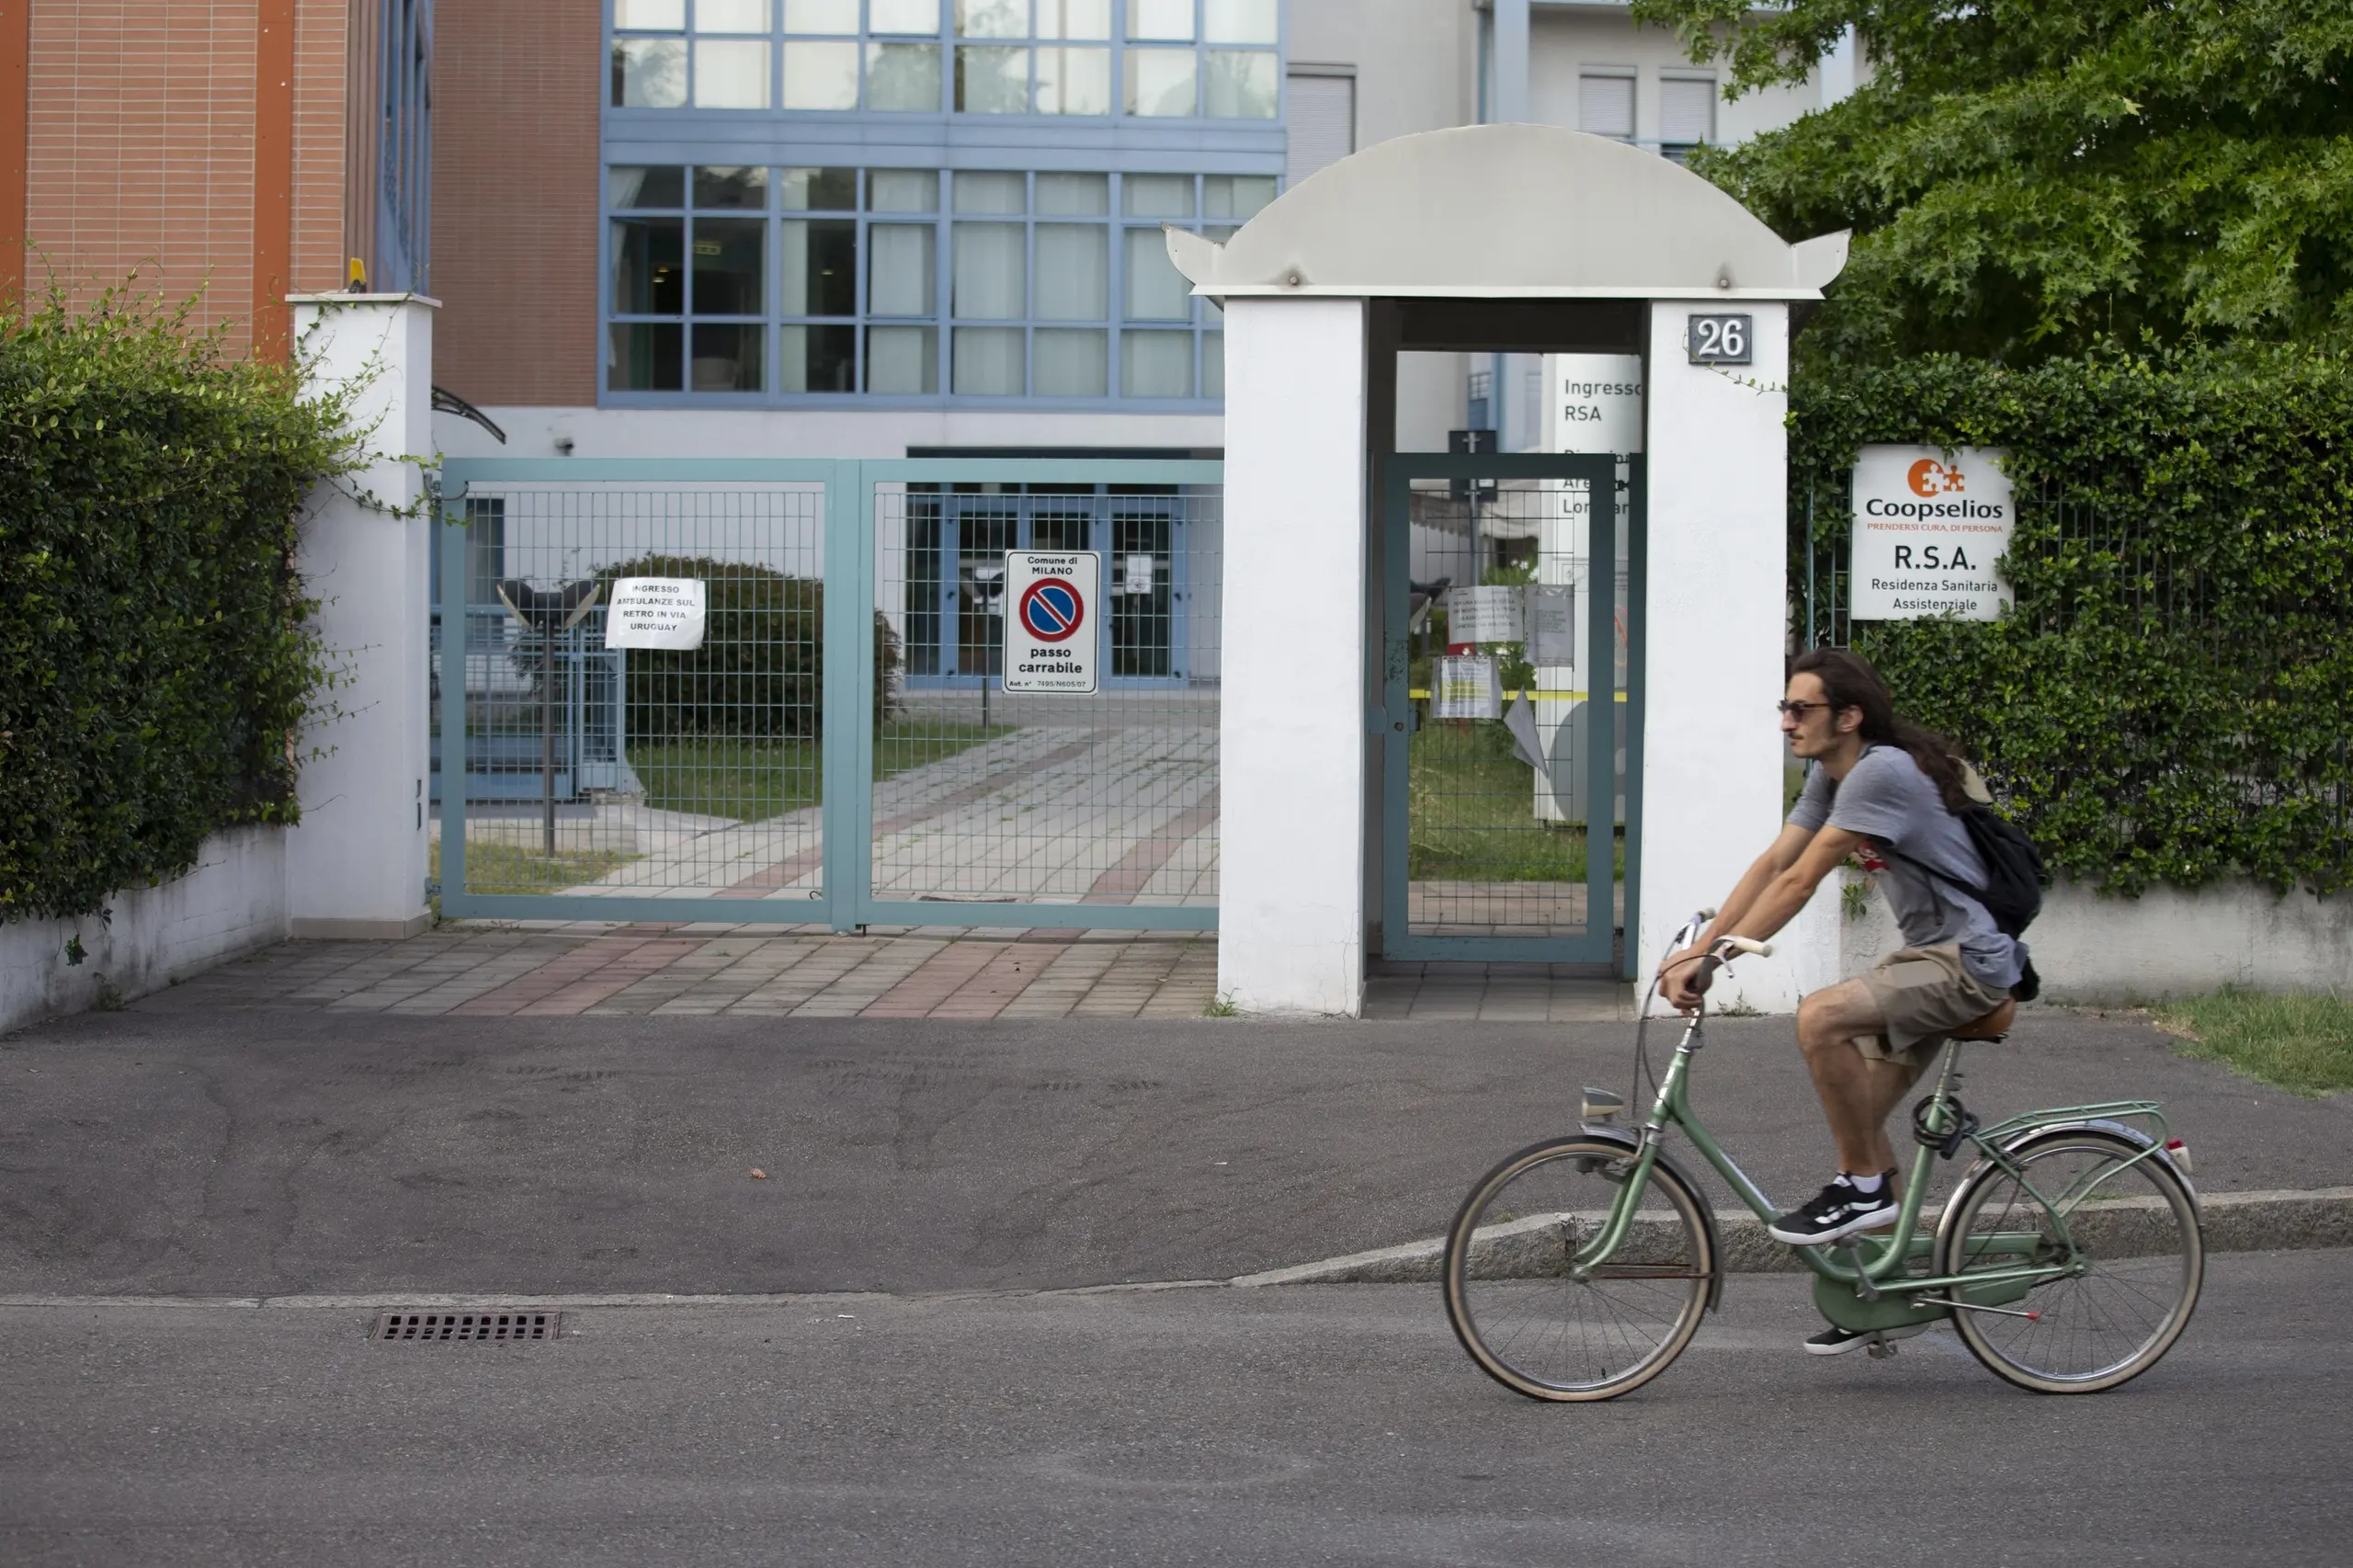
(2068, 1258)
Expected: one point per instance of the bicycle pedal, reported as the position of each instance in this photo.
(1881, 1350)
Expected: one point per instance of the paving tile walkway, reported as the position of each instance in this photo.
(639, 971)
(483, 970)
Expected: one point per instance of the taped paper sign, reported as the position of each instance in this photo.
(1468, 685)
(655, 612)
(1483, 615)
(1552, 624)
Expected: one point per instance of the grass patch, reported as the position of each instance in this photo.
(1472, 812)
(510, 867)
(2299, 1042)
(750, 779)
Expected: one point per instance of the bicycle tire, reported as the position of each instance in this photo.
(2144, 1262)
(1508, 1294)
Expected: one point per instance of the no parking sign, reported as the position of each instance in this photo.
(1050, 635)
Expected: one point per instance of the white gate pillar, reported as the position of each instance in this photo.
(1716, 620)
(356, 863)
(1291, 793)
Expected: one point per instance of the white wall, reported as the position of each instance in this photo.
(1564, 47)
(233, 901)
(1415, 61)
(1293, 742)
(355, 862)
(1715, 627)
(2091, 947)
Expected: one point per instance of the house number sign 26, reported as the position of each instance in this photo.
(1720, 340)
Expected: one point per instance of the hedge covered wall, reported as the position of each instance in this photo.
(2172, 700)
(154, 661)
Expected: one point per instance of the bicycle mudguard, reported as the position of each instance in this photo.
(1632, 1145)
(2024, 1129)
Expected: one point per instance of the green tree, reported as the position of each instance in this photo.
(2025, 176)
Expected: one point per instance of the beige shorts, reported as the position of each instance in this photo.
(1923, 994)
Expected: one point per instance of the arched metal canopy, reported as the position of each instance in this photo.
(1507, 211)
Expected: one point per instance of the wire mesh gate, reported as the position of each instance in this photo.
(1510, 819)
(799, 766)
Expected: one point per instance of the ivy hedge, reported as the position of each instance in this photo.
(156, 659)
(2171, 700)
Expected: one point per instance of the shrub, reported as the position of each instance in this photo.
(155, 661)
(2166, 701)
(760, 670)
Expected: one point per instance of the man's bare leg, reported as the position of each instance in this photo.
(1857, 1091)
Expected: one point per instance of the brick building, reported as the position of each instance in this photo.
(235, 150)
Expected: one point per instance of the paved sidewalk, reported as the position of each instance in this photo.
(635, 971)
(469, 970)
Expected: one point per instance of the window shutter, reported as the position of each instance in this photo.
(1606, 105)
(1686, 112)
(1322, 124)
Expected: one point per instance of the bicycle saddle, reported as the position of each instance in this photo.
(1993, 1025)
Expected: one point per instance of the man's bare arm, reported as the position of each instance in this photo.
(1778, 903)
(1784, 852)
(1767, 897)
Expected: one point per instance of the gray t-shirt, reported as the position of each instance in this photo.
(1888, 800)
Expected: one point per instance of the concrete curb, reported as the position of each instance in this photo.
(2235, 1222)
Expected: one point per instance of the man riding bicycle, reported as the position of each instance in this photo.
(1885, 792)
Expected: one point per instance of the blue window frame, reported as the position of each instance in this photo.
(955, 578)
(749, 284)
(402, 251)
(925, 202)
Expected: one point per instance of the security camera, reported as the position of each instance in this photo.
(563, 444)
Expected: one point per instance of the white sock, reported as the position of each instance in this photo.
(1867, 1186)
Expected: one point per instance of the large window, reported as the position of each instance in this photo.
(781, 283)
(1150, 58)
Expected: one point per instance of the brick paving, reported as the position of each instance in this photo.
(643, 970)
(482, 971)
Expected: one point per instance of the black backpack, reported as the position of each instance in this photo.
(2013, 880)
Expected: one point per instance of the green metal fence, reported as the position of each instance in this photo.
(839, 748)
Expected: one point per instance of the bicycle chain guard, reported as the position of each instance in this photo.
(1946, 1144)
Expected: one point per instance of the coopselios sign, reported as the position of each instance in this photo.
(1930, 526)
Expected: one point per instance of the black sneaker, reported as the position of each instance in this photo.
(1837, 1210)
(1836, 1341)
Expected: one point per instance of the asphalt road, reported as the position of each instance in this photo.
(252, 1153)
(1300, 1425)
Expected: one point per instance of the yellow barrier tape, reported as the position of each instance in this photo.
(1420, 696)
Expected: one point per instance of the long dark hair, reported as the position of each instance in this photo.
(1849, 681)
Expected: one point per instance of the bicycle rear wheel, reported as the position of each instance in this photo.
(2138, 1254)
(1527, 1321)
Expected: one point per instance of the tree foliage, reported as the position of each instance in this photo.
(2027, 176)
(156, 659)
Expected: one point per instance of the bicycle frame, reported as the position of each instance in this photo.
(1875, 1272)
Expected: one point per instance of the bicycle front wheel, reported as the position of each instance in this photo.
(2130, 1241)
(1529, 1319)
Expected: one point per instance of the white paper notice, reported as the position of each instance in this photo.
(1929, 526)
(655, 612)
(1483, 615)
(1469, 687)
(1135, 574)
(1552, 624)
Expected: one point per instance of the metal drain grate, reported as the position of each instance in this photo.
(468, 1325)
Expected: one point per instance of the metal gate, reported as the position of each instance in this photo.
(807, 766)
(1512, 675)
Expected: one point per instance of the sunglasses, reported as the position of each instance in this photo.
(1798, 709)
